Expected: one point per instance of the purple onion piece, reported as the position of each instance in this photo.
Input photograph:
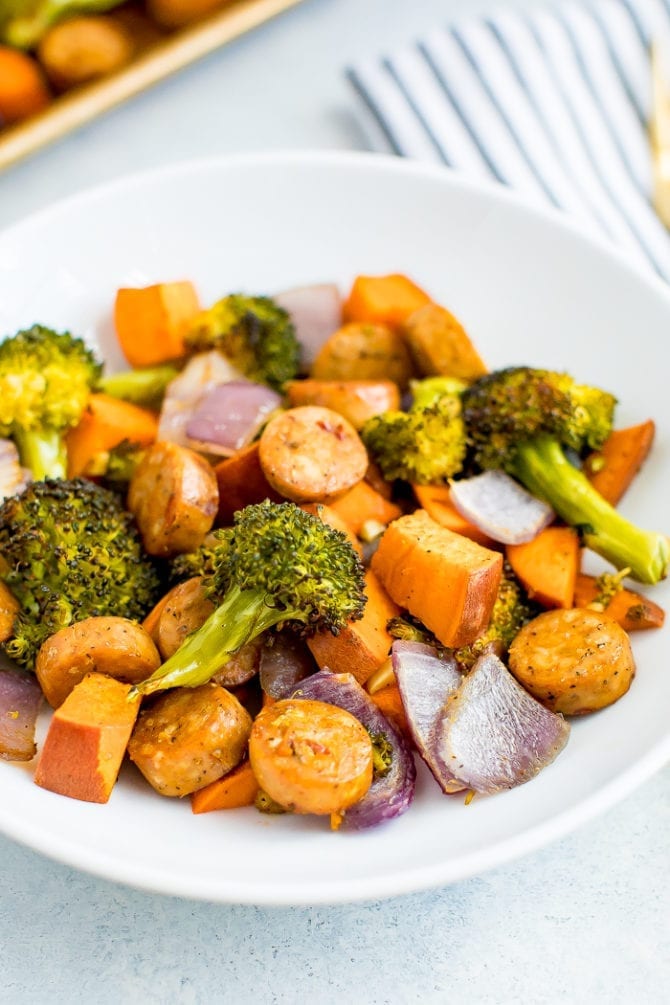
(20, 697)
(500, 507)
(202, 373)
(229, 416)
(494, 734)
(426, 681)
(284, 664)
(316, 312)
(390, 794)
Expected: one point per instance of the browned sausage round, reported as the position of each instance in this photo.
(186, 609)
(174, 497)
(573, 661)
(116, 647)
(189, 737)
(364, 351)
(311, 757)
(311, 454)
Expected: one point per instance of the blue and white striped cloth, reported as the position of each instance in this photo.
(553, 103)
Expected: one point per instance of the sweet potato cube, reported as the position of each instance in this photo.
(548, 565)
(361, 504)
(612, 468)
(447, 581)
(362, 645)
(151, 321)
(383, 299)
(87, 739)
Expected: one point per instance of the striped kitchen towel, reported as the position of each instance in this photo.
(553, 102)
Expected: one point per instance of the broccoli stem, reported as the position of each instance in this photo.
(546, 472)
(43, 452)
(243, 616)
(140, 387)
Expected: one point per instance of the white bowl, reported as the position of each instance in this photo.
(530, 289)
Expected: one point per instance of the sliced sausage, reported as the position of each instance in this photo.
(312, 454)
(117, 647)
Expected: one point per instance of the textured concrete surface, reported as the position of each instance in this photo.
(587, 919)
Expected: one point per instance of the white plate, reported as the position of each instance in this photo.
(530, 289)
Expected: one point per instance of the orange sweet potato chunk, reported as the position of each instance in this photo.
(445, 580)
(612, 468)
(383, 299)
(151, 321)
(362, 645)
(87, 739)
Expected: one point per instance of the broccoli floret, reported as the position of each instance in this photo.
(521, 420)
(424, 445)
(410, 629)
(45, 381)
(277, 566)
(145, 387)
(608, 585)
(427, 391)
(71, 551)
(511, 610)
(201, 562)
(254, 333)
(117, 466)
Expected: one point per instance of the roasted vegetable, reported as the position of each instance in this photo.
(46, 378)
(24, 22)
(424, 445)
(71, 552)
(254, 333)
(521, 419)
(277, 565)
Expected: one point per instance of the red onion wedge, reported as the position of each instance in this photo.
(20, 698)
(425, 681)
(229, 416)
(500, 507)
(203, 372)
(495, 735)
(284, 664)
(316, 312)
(390, 794)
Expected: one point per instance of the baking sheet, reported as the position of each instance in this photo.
(72, 110)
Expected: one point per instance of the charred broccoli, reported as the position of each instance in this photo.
(254, 333)
(198, 563)
(276, 566)
(520, 420)
(70, 552)
(45, 380)
(424, 445)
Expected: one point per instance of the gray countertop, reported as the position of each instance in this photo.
(586, 919)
